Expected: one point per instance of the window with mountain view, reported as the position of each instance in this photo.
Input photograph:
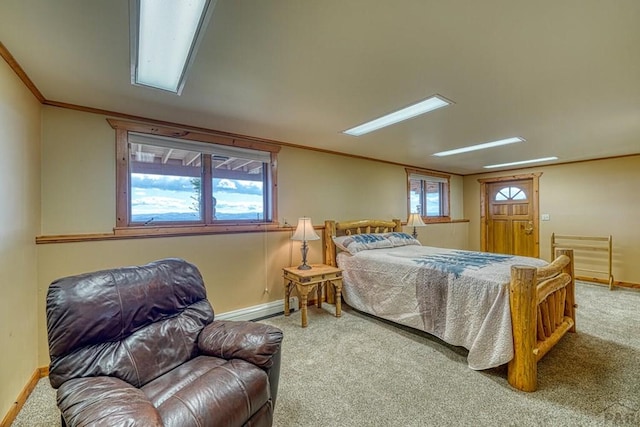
(176, 182)
(167, 186)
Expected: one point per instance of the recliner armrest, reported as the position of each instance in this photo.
(253, 342)
(105, 401)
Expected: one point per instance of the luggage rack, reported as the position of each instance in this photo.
(583, 245)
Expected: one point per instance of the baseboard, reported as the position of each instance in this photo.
(257, 311)
(600, 281)
(44, 371)
(23, 396)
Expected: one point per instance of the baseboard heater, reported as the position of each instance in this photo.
(258, 311)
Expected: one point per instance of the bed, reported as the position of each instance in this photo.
(504, 309)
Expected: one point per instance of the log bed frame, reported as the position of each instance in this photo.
(542, 300)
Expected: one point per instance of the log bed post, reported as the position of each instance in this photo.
(570, 304)
(329, 246)
(523, 369)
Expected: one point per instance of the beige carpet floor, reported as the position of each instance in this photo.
(360, 371)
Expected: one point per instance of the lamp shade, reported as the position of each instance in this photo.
(415, 220)
(304, 231)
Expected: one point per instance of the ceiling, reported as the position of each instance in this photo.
(564, 75)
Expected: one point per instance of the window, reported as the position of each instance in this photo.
(428, 194)
(510, 193)
(199, 180)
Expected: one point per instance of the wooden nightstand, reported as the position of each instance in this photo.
(307, 281)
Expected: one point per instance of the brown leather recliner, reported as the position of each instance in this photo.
(138, 346)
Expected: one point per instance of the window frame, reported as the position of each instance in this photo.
(124, 225)
(445, 204)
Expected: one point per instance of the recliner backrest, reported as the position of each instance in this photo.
(134, 323)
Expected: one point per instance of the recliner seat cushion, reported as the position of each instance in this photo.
(209, 391)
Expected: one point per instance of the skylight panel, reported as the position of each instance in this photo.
(483, 146)
(522, 162)
(164, 37)
(432, 103)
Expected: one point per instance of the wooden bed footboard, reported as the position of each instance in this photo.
(542, 302)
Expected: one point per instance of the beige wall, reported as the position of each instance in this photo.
(78, 172)
(78, 186)
(595, 198)
(19, 224)
(240, 270)
(443, 235)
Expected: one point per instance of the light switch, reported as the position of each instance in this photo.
(545, 217)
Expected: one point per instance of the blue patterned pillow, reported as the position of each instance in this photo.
(401, 239)
(362, 242)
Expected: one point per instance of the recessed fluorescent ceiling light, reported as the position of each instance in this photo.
(480, 146)
(164, 37)
(522, 162)
(429, 104)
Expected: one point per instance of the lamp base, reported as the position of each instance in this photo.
(303, 250)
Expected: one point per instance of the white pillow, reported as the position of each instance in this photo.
(401, 239)
(360, 242)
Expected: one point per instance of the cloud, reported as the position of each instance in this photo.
(139, 182)
(158, 194)
(161, 182)
(239, 207)
(225, 184)
(160, 204)
(236, 186)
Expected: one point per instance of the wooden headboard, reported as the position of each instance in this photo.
(346, 228)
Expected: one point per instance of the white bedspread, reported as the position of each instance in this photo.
(461, 297)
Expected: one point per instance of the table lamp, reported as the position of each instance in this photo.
(415, 220)
(304, 232)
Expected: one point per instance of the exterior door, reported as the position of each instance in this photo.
(511, 217)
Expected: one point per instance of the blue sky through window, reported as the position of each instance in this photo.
(174, 198)
(433, 203)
